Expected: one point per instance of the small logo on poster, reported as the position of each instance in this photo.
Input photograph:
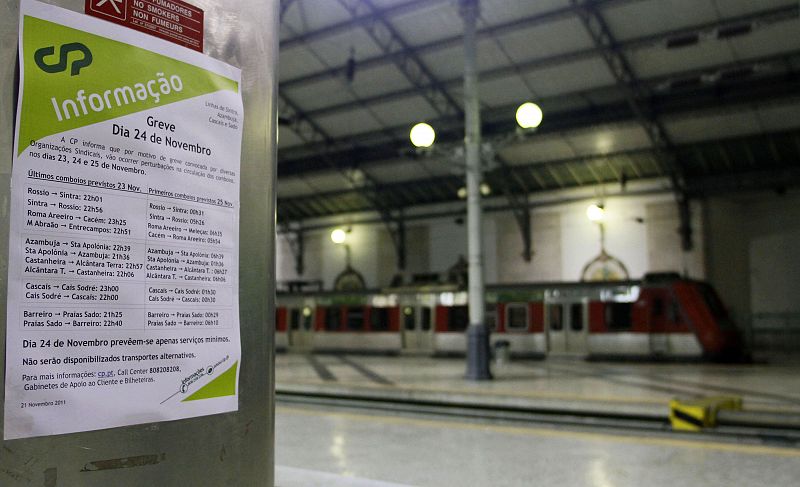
(111, 8)
(63, 52)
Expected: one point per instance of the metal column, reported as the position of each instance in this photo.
(221, 450)
(478, 332)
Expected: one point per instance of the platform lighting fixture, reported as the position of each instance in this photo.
(486, 190)
(462, 193)
(306, 311)
(338, 236)
(529, 116)
(596, 213)
(422, 135)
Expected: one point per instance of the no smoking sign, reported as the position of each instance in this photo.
(171, 20)
(117, 9)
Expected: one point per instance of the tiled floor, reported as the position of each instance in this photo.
(352, 447)
(340, 447)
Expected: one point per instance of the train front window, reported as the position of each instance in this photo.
(517, 317)
(294, 319)
(333, 318)
(576, 317)
(379, 319)
(715, 306)
(425, 319)
(458, 318)
(618, 316)
(355, 318)
(555, 321)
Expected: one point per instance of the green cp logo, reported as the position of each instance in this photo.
(61, 65)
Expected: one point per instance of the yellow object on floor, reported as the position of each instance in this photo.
(696, 414)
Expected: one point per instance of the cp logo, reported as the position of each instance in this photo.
(64, 51)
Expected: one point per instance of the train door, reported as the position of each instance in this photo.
(658, 320)
(301, 327)
(576, 326)
(554, 319)
(418, 329)
(566, 327)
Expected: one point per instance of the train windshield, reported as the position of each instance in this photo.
(715, 306)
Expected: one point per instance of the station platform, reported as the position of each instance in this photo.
(322, 447)
(559, 383)
(359, 446)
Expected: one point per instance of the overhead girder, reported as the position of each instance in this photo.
(760, 18)
(403, 56)
(638, 98)
(392, 43)
(310, 132)
(705, 81)
(518, 202)
(355, 22)
(702, 179)
(699, 100)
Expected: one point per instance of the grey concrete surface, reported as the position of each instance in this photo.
(434, 452)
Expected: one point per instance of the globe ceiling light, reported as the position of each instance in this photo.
(462, 193)
(422, 135)
(596, 213)
(529, 115)
(485, 189)
(338, 236)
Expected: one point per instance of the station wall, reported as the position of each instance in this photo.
(754, 264)
(641, 231)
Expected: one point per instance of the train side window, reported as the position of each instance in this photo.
(517, 317)
(555, 321)
(491, 316)
(425, 319)
(294, 318)
(458, 318)
(408, 318)
(333, 318)
(618, 316)
(379, 319)
(355, 318)
(576, 316)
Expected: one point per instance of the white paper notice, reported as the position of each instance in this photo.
(123, 302)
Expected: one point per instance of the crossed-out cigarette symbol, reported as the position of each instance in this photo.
(113, 4)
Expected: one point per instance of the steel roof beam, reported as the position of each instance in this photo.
(310, 131)
(353, 23)
(611, 160)
(407, 8)
(638, 98)
(759, 19)
(707, 97)
(407, 61)
(518, 202)
(773, 15)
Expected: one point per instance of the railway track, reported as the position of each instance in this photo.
(735, 427)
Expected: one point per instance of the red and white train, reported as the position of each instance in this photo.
(662, 316)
